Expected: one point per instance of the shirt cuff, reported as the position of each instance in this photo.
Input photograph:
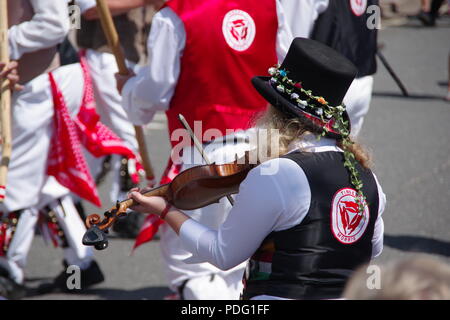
(14, 52)
(137, 111)
(127, 97)
(127, 90)
(190, 233)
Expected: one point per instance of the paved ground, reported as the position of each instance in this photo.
(409, 139)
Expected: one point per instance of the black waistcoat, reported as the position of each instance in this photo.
(342, 29)
(313, 260)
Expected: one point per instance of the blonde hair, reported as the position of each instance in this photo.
(419, 277)
(291, 129)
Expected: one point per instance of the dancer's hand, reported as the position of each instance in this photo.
(122, 79)
(9, 72)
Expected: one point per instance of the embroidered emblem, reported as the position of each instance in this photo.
(239, 30)
(359, 7)
(348, 224)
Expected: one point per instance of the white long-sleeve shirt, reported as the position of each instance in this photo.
(265, 203)
(302, 14)
(48, 27)
(152, 89)
(85, 5)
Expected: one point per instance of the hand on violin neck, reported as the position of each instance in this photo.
(144, 204)
(158, 206)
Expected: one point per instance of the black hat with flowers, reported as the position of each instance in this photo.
(311, 83)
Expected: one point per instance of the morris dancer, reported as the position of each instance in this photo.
(344, 26)
(37, 26)
(132, 19)
(202, 55)
(282, 221)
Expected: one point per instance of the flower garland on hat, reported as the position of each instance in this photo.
(318, 107)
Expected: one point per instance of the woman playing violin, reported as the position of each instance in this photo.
(306, 226)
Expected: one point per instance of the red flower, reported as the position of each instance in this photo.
(298, 85)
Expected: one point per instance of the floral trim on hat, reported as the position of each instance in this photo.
(317, 106)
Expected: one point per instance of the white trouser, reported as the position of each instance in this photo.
(225, 285)
(68, 219)
(32, 128)
(28, 187)
(357, 101)
(73, 227)
(109, 106)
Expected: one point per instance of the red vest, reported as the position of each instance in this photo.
(227, 43)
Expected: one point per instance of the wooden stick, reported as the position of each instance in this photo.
(199, 146)
(5, 101)
(113, 41)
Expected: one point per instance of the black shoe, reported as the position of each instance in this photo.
(88, 277)
(427, 19)
(11, 290)
(4, 272)
(393, 7)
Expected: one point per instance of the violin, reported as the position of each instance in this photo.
(193, 188)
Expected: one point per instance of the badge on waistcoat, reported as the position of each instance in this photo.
(358, 7)
(239, 29)
(347, 223)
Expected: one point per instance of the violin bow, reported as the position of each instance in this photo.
(113, 42)
(5, 102)
(199, 146)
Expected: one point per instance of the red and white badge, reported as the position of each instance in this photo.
(359, 7)
(347, 223)
(239, 29)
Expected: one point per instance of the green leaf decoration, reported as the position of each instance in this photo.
(340, 125)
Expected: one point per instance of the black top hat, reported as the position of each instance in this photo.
(310, 83)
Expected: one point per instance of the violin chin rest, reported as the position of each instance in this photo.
(95, 237)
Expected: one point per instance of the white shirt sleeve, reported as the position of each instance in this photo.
(302, 14)
(85, 5)
(47, 28)
(265, 203)
(284, 34)
(152, 88)
(378, 234)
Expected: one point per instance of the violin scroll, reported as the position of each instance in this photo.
(96, 235)
(193, 188)
(92, 220)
